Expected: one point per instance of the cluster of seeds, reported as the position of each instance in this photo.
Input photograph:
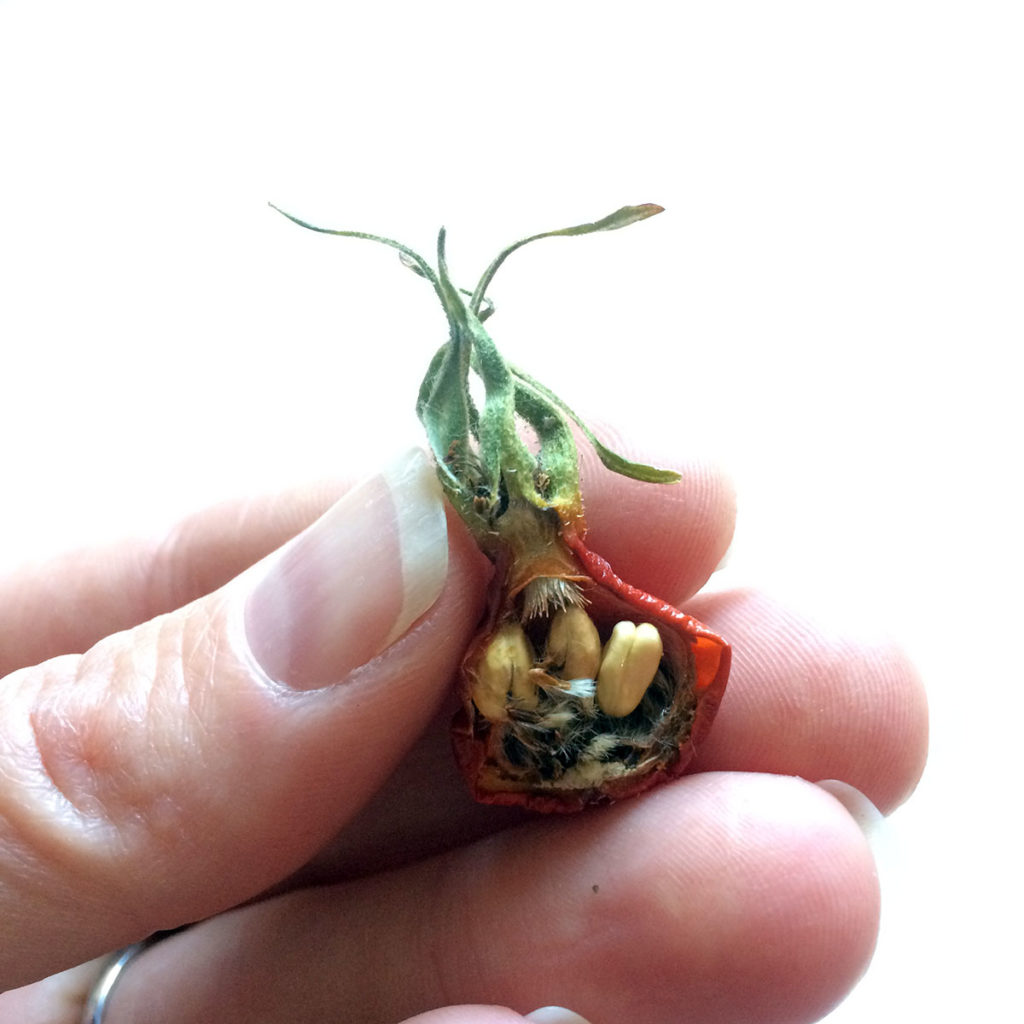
(617, 673)
(576, 710)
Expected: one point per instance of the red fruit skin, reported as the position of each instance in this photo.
(687, 642)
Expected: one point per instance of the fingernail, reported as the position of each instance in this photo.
(861, 809)
(353, 582)
(556, 1015)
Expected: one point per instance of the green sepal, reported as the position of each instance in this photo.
(621, 218)
(446, 410)
(503, 461)
(557, 477)
(483, 463)
(411, 259)
(609, 459)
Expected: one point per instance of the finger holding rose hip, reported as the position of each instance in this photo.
(575, 688)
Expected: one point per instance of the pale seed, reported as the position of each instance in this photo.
(504, 667)
(574, 644)
(628, 666)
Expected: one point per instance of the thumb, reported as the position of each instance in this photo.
(181, 767)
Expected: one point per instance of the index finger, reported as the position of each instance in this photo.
(672, 537)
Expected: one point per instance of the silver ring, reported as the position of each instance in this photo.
(111, 974)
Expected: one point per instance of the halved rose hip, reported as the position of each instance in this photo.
(578, 687)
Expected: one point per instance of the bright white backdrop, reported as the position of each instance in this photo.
(831, 305)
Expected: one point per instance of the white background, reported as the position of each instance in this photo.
(831, 305)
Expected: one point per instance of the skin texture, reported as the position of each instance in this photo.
(740, 893)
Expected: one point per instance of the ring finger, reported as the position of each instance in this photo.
(689, 898)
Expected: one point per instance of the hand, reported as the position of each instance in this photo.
(246, 726)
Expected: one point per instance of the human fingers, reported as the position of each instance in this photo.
(495, 1015)
(59, 1000)
(65, 603)
(183, 766)
(673, 536)
(815, 699)
(722, 898)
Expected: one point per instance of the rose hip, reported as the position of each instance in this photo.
(578, 687)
